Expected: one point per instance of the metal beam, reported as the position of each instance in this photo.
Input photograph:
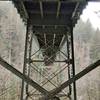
(65, 1)
(41, 9)
(45, 39)
(62, 41)
(50, 30)
(50, 12)
(75, 10)
(69, 67)
(20, 75)
(35, 67)
(23, 6)
(25, 56)
(20, 7)
(70, 81)
(54, 39)
(73, 62)
(49, 21)
(29, 52)
(54, 75)
(66, 61)
(58, 9)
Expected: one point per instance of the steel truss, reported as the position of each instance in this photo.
(49, 94)
(29, 64)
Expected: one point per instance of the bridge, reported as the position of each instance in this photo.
(52, 22)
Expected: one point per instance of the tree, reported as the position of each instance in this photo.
(95, 46)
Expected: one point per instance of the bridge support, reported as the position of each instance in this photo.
(50, 94)
(29, 63)
(27, 55)
(73, 62)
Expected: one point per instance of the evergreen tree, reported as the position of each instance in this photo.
(95, 46)
(84, 31)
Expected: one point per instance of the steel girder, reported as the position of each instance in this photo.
(57, 61)
(22, 76)
(49, 21)
(50, 30)
(75, 78)
(68, 61)
(62, 1)
(42, 90)
(26, 55)
(73, 62)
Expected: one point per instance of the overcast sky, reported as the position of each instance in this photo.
(92, 12)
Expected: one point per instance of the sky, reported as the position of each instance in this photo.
(92, 12)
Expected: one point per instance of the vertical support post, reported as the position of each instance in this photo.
(29, 57)
(25, 60)
(69, 71)
(73, 62)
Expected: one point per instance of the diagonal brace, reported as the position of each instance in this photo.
(25, 78)
(70, 81)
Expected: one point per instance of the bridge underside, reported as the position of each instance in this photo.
(52, 22)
